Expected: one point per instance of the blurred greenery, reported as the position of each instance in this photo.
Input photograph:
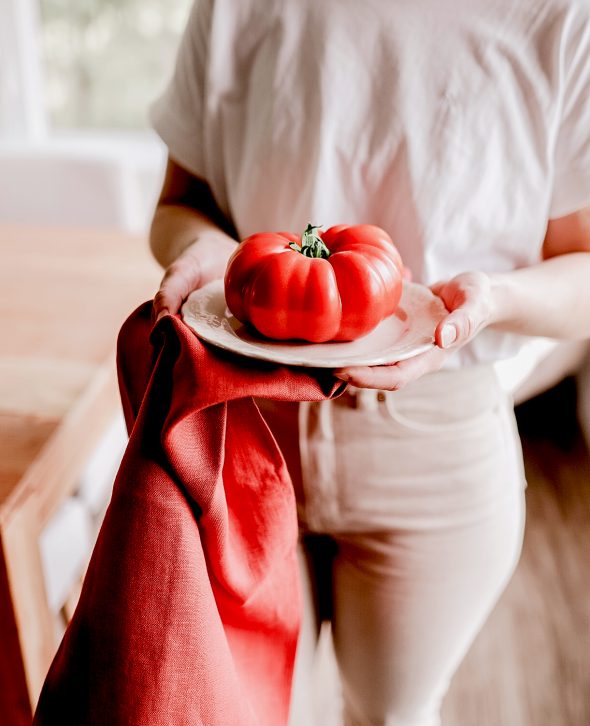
(106, 60)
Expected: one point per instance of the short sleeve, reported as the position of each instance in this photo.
(178, 114)
(571, 189)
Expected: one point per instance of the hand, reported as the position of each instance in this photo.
(180, 279)
(468, 298)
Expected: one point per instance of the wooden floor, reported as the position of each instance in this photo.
(530, 665)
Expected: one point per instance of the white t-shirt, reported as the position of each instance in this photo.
(459, 126)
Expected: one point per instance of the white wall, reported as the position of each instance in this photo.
(85, 181)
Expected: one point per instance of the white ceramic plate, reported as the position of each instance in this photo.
(403, 335)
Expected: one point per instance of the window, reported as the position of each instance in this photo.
(76, 80)
(104, 61)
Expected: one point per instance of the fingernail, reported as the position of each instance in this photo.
(342, 376)
(161, 314)
(448, 336)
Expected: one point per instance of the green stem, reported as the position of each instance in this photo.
(312, 244)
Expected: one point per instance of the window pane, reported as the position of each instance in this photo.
(106, 60)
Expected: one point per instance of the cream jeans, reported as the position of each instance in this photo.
(411, 506)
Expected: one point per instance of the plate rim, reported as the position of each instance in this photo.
(268, 355)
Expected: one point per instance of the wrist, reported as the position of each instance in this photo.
(501, 300)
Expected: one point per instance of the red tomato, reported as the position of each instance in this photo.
(332, 285)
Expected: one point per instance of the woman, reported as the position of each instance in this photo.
(463, 130)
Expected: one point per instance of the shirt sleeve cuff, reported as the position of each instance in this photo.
(184, 145)
(571, 193)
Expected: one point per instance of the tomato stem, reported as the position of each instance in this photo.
(312, 244)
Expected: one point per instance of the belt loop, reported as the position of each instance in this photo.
(318, 466)
(367, 399)
(325, 420)
(303, 425)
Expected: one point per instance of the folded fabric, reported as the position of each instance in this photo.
(189, 612)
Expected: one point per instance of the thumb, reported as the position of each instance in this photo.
(457, 328)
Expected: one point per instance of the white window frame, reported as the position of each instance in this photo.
(25, 130)
(24, 119)
(22, 103)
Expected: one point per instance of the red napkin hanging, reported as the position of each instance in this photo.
(189, 612)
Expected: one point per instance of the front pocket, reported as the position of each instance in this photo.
(447, 401)
(439, 417)
(392, 475)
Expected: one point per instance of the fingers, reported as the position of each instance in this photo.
(461, 324)
(467, 297)
(396, 376)
(181, 278)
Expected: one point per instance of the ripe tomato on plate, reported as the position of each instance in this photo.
(333, 285)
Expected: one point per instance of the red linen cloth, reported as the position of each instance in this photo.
(189, 612)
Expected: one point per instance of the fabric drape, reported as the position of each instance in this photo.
(189, 611)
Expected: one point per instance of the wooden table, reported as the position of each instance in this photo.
(63, 296)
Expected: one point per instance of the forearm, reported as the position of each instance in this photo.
(176, 227)
(551, 299)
